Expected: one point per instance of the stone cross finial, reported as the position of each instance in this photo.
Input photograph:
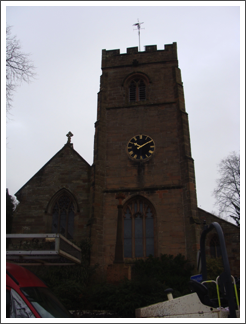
(69, 135)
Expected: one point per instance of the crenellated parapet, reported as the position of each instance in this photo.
(113, 58)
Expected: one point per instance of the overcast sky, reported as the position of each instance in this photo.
(66, 43)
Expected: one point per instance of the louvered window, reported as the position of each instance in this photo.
(137, 90)
(141, 89)
(132, 91)
(138, 229)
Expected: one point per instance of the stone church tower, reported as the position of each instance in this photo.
(139, 196)
(144, 180)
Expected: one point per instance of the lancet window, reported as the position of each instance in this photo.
(63, 216)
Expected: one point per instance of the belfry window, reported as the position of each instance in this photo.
(138, 229)
(137, 90)
(63, 216)
(215, 250)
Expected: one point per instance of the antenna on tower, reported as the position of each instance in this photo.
(139, 27)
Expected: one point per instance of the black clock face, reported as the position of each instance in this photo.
(140, 147)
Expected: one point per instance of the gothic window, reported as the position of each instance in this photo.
(137, 90)
(63, 216)
(138, 229)
(215, 250)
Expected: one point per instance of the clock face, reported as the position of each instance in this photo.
(140, 147)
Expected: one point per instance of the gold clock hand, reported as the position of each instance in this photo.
(144, 144)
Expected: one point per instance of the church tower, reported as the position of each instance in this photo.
(144, 192)
(139, 196)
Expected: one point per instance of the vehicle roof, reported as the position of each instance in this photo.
(23, 276)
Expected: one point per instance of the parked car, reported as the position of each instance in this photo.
(28, 296)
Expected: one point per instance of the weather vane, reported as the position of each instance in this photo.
(139, 27)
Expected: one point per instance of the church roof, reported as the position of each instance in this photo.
(202, 213)
(67, 145)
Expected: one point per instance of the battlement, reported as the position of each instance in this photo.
(113, 58)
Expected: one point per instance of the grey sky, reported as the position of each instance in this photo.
(66, 44)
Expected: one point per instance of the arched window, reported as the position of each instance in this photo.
(137, 90)
(63, 216)
(138, 228)
(215, 250)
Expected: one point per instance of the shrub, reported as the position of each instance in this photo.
(124, 298)
(74, 287)
(214, 267)
(150, 278)
(173, 272)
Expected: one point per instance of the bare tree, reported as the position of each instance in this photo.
(227, 192)
(18, 66)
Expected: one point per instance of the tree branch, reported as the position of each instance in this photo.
(227, 192)
(18, 67)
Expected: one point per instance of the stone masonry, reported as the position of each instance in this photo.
(100, 193)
